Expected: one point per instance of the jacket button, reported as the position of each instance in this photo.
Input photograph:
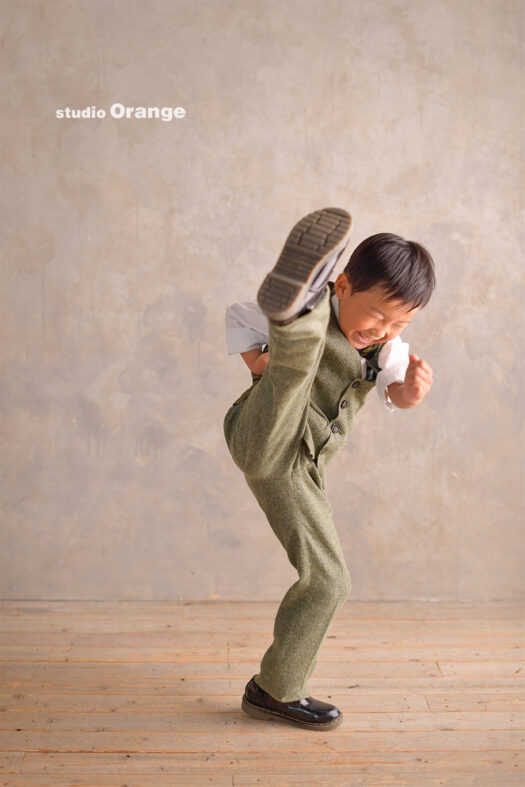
(356, 384)
(335, 428)
(344, 403)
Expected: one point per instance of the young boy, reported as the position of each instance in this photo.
(329, 344)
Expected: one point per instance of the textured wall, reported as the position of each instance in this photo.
(124, 241)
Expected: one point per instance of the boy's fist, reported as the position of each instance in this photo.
(418, 380)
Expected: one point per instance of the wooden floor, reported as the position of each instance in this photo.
(134, 693)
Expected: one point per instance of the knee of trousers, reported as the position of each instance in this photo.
(333, 587)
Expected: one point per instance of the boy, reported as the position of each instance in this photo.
(329, 344)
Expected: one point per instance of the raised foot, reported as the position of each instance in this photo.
(309, 255)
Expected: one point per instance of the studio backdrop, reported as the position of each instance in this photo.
(155, 156)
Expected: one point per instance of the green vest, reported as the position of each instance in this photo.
(338, 390)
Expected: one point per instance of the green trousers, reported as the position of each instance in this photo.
(281, 440)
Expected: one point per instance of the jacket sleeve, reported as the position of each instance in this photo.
(246, 327)
(393, 361)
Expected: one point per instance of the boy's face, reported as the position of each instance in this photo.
(368, 317)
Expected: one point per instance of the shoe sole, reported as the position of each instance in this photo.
(256, 712)
(312, 240)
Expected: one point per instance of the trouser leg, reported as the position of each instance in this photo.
(301, 517)
(264, 431)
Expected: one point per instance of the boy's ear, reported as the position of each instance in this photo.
(342, 284)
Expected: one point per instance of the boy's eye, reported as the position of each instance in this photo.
(382, 319)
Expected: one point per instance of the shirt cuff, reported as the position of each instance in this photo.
(389, 404)
(382, 383)
(238, 340)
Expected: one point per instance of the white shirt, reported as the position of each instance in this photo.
(247, 329)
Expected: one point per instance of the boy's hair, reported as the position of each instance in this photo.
(402, 268)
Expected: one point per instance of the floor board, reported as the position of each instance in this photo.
(148, 694)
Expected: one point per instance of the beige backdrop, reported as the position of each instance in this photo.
(125, 240)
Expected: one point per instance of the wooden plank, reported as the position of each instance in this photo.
(50, 672)
(273, 735)
(485, 667)
(43, 672)
(95, 609)
(102, 780)
(11, 761)
(482, 702)
(26, 653)
(352, 701)
(382, 628)
(331, 651)
(190, 642)
(416, 780)
(375, 610)
(287, 765)
(234, 610)
(318, 778)
(120, 682)
(206, 721)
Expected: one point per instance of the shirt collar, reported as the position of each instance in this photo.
(335, 304)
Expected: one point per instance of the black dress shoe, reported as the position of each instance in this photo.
(306, 712)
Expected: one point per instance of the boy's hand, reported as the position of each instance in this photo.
(260, 363)
(418, 381)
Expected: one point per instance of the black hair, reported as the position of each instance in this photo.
(403, 269)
